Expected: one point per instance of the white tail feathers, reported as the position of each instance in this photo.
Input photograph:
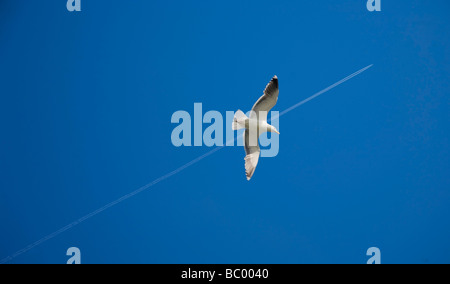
(239, 120)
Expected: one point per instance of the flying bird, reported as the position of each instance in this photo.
(256, 124)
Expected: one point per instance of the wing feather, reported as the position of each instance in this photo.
(267, 101)
(252, 155)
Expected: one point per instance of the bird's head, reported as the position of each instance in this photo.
(273, 129)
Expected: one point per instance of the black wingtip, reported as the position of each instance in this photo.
(275, 80)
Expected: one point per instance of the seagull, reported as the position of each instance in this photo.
(256, 125)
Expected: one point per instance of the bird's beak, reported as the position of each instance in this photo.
(276, 131)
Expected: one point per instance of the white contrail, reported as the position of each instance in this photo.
(109, 205)
(125, 197)
(323, 91)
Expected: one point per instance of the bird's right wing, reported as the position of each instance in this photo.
(252, 154)
(267, 101)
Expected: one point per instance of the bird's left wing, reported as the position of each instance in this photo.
(267, 101)
(252, 154)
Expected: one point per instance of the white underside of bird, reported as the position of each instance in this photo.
(256, 124)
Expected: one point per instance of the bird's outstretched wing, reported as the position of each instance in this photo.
(267, 101)
(252, 155)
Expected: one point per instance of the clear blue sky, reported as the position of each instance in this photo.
(86, 102)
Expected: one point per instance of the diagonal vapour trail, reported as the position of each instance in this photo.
(322, 92)
(156, 181)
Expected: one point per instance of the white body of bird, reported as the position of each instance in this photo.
(256, 124)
